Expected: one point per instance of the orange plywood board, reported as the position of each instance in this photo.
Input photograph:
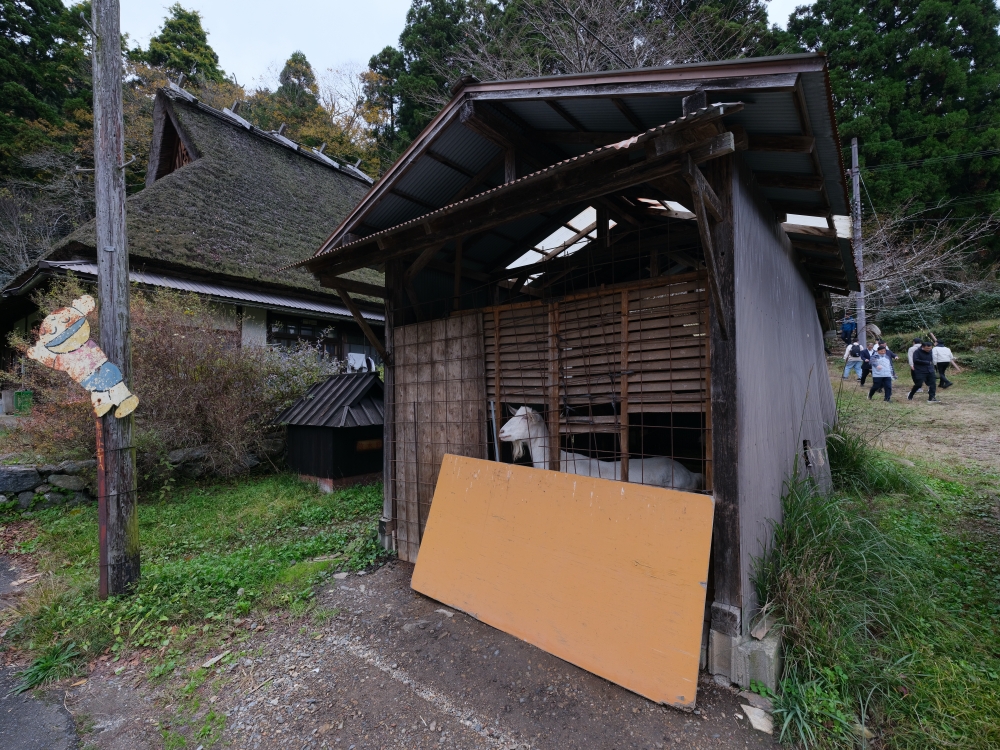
(606, 575)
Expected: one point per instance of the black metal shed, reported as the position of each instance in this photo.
(335, 430)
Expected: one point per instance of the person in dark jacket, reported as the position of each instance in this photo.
(866, 361)
(923, 371)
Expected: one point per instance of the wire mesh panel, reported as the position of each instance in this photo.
(440, 408)
(621, 374)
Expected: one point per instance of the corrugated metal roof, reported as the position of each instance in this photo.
(770, 89)
(221, 293)
(349, 400)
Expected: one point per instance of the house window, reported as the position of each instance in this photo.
(287, 331)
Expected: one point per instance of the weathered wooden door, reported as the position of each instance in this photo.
(440, 407)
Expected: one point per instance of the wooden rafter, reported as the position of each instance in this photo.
(354, 287)
(789, 144)
(629, 114)
(705, 202)
(363, 325)
(574, 181)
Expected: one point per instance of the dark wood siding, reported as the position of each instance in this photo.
(332, 453)
(783, 392)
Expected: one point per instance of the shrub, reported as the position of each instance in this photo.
(982, 306)
(196, 385)
(985, 361)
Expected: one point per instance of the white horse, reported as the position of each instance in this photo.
(528, 427)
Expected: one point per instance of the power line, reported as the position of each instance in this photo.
(931, 160)
(585, 28)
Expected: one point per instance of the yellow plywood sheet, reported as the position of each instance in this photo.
(606, 575)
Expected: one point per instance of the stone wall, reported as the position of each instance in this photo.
(29, 488)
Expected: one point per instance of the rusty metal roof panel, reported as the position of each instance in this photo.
(221, 293)
(348, 400)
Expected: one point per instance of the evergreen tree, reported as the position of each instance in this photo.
(182, 47)
(918, 84)
(297, 82)
(45, 95)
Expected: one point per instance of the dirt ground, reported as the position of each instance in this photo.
(963, 428)
(394, 669)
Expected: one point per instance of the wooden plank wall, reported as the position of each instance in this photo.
(440, 407)
(570, 353)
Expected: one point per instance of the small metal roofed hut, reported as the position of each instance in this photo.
(334, 432)
(644, 257)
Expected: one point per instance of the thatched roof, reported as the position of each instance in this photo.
(248, 203)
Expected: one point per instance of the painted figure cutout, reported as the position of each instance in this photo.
(64, 343)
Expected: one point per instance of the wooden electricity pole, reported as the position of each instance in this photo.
(859, 261)
(116, 457)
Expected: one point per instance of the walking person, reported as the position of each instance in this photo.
(909, 358)
(866, 361)
(848, 329)
(943, 358)
(923, 371)
(852, 355)
(881, 366)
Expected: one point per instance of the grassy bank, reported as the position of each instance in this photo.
(212, 555)
(888, 591)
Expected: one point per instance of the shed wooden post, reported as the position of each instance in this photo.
(623, 384)
(553, 389)
(387, 524)
(122, 570)
(726, 538)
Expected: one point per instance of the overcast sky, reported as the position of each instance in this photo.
(253, 37)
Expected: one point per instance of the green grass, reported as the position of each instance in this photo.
(210, 554)
(888, 592)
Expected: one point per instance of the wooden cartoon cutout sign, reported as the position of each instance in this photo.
(64, 343)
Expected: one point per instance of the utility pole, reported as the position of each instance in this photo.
(116, 457)
(859, 260)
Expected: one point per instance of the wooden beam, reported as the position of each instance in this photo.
(412, 199)
(509, 165)
(422, 260)
(629, 114)
(354, 287)
(478, 178)
(363, 325)
(790, 144)
(697, 181)
(457, 292)
(811, 182)
(577, 181)
(701, 189)
(533, 238)
(796, 207)
(561, 111)
(816, 247)
(577, 137)
(442, 159)
(803, 229)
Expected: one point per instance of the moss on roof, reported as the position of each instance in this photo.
(245, 207)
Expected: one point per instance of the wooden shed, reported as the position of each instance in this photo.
(334, 432)
(644, 257)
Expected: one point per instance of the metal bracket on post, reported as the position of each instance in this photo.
(87, 24)
(707, 202)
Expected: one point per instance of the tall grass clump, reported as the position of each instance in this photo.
(889, 633)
